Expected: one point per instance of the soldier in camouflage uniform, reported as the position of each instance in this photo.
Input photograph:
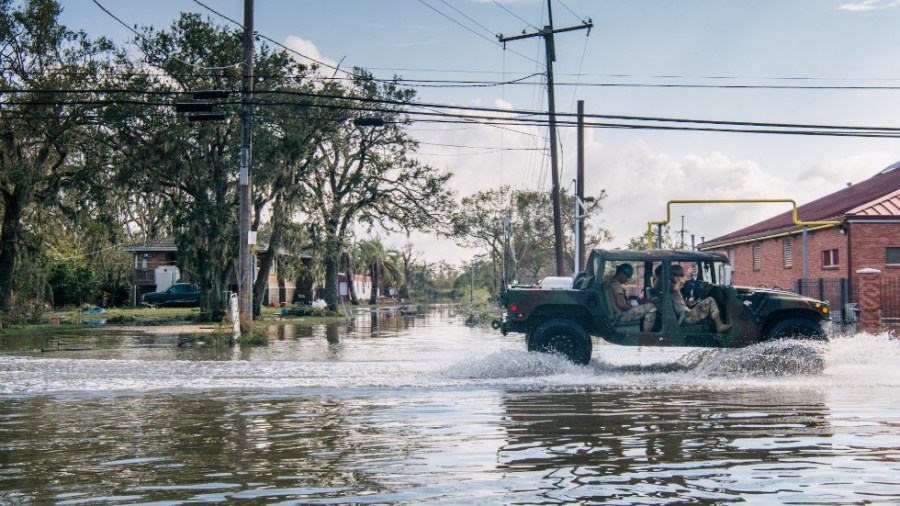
(699, 311)
(627, 311)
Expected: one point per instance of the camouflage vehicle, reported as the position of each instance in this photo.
(561, 314)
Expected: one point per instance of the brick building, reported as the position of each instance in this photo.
(771, 253)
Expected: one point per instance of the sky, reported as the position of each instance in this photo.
(798, 62)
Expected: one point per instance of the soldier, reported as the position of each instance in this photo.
(627, 312)
(702, 309)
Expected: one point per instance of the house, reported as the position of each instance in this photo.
(155, 269)
(867, 236)
(362, 284)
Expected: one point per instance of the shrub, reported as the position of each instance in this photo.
(306, 310)
(71, 283)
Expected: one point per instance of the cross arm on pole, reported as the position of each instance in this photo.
(547, 31)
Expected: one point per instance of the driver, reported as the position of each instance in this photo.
(699, 311)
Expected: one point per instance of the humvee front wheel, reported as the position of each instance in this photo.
(797, 328)
(565, 337)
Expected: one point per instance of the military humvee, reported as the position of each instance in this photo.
(561, 320)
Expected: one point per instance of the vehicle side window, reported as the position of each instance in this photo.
(177, 288)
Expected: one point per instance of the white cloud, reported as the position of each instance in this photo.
(869, 5)
(310, 52)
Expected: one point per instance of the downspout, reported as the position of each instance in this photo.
(849, 267)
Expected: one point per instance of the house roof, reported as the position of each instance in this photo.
(164, 244)
(876, 197)
(168, 244)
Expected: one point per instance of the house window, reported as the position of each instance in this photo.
(892, 256)
(830, 258)
(757, 260)
(788, 253)
(730, 253)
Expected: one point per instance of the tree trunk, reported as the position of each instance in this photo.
(268, 257)
(331, 281)
(12, 225)
(351, 286)
(373, 299)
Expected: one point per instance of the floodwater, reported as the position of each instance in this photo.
(392, 408)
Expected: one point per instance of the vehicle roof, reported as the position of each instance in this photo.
(657, 255)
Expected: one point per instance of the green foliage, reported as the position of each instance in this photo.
(481, 312)
(21, 314)
(307, 310)
(254, 338)
(47, 129)
(71, 283)
(479, 223)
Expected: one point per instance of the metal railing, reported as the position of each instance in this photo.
(834, 291)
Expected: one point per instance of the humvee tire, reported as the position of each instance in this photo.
(797, 328)
(565, 337)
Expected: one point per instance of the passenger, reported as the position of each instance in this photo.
(656, 287)
(627, 312)
(699, 311)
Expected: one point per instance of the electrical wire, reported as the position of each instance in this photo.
(520, 18)
(433, 112)
(141, 36)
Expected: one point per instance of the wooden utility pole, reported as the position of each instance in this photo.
(245, 284)
(547, 33)
(579, 193)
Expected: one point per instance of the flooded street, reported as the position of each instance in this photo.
(391, 408)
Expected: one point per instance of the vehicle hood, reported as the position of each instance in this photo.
(774, 293)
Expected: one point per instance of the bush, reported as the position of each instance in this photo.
(71, 283)
(306, 310)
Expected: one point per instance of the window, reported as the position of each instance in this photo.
(788, 253)
(892, 256)
(830, 258)
(757, 261)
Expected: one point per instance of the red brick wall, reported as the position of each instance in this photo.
(772, 271)
(868, 242)
(867, 245)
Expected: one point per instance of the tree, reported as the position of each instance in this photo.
(43, 65)
(639, 243)
(387, 186)
(194, 165)
(479, 222)
(383, 265)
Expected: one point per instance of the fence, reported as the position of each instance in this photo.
(834, 291)
(890, 301)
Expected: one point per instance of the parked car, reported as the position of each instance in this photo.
(560, 317)
(179, 294)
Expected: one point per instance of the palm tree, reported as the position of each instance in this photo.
(380, 262)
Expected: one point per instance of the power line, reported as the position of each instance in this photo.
(141, 36)
(492, 41)
(256, 33)
(483, 115)
(520, 18)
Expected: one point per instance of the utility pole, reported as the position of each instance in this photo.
(547, 33)
(245, 285)
(579, 192)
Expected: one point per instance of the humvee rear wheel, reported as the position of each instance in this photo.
(797, 328)
(564, 337)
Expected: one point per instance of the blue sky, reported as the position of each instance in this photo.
(651, 43)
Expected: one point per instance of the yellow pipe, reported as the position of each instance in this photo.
(794, 216)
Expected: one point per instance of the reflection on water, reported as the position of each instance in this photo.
(421, 409)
